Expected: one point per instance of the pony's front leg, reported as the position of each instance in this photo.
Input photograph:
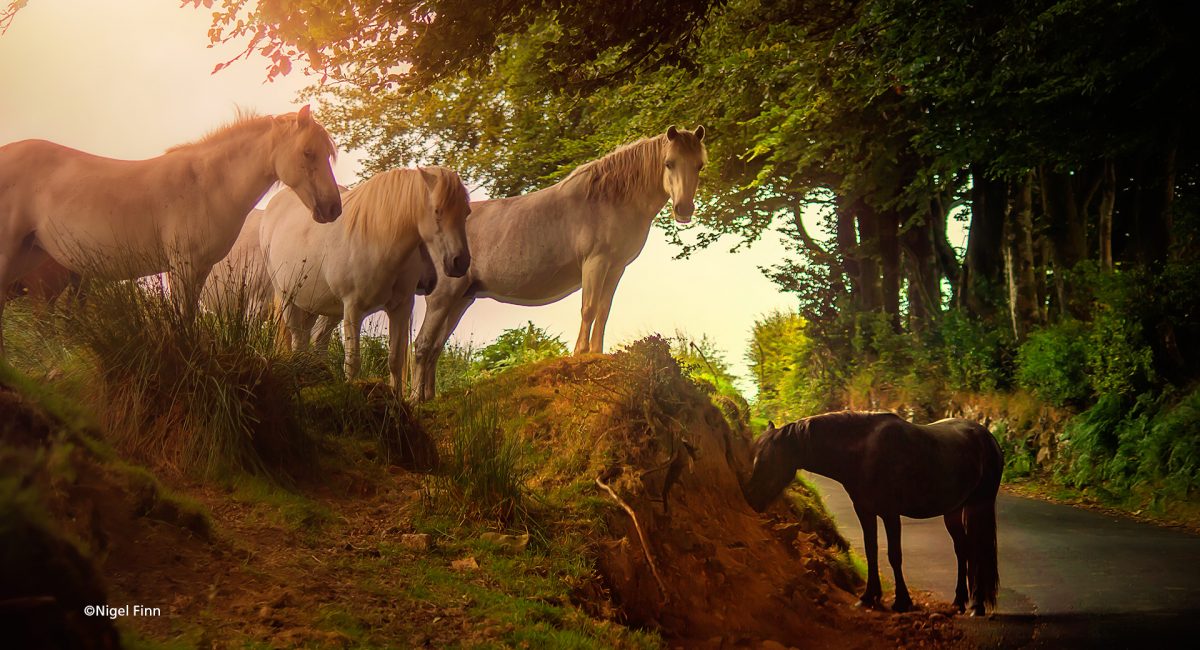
(595, 269)
(874, 592)
(351, 326)
(891, 526)
(443, 310)
(958, 533)
(604, 306)
(185, 281)
(16, 260)
(399, 323)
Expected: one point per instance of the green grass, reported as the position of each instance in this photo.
(514, 598)
(485, 468)
(289, 509)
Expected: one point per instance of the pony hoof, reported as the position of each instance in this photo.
(978, 611)
(867, 604)
(961, 608)
(902, 606)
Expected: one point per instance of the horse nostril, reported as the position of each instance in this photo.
(685, 209)
(335, 209)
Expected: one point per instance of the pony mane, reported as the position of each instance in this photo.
(450, 194)
(384, 206)
(245, 119)
(633, 167)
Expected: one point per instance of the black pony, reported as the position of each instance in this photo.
(890, 468)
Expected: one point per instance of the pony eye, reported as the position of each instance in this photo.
(670, 164)
(308, 153)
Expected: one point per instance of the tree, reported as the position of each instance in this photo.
(383, 44)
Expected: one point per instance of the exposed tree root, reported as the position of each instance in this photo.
(662, 587)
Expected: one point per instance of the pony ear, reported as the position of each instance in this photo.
(672, 133)
(770, 425)
(430, 178)
(700, 133)
(304, 116)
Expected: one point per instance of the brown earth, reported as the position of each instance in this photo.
(324, 567)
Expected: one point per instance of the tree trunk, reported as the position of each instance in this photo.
(1108, 200)
(1068, 234)
(847, 245)
(946, 257)
(1018, 258)
(924, 276)
(1154, 192)
(889, 260)
(868, 256)
(983, 268)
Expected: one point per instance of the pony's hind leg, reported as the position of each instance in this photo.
(299, 326)
(874, 592)
(323, 331)
(958, 533)
(891, 525)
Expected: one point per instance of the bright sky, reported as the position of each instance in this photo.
(130, 78)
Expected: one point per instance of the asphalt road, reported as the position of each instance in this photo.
(1069, 578)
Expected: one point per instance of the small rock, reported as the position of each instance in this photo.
(937, 617)
(264, 612)
(514, 543)
(416, 541)
(465, 564)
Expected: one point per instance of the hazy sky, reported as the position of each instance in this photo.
(129, 78)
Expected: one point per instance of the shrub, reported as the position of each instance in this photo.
(484, 471)
(976, 357)
(1053, 363)
(518, 346)
(206, 392)
(1118, 358)
(456, 367)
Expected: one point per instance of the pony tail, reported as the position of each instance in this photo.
(981, 539)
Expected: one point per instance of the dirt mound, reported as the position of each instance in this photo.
(65, 495)
(684, 553)
(370, 410)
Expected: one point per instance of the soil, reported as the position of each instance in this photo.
(729, 576)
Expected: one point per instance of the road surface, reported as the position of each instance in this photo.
(1069, 578)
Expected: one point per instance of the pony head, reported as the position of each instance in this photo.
(302, 158)
(776, 459)
(444, 228)
(684, 158)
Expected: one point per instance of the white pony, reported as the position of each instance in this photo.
(538, 248)
(370, 259)
(240, 281)
(178, 213)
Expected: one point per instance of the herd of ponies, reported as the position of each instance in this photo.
(324, 254)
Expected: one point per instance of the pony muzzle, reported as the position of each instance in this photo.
(328, 212)
(683, 211)
(457, 266)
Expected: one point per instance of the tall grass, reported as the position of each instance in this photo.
(197, 391)
(484, 469)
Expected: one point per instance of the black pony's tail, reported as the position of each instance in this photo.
(982, 561)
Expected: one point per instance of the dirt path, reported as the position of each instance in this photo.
(1069, 577)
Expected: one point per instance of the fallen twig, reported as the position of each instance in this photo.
(662, 587)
